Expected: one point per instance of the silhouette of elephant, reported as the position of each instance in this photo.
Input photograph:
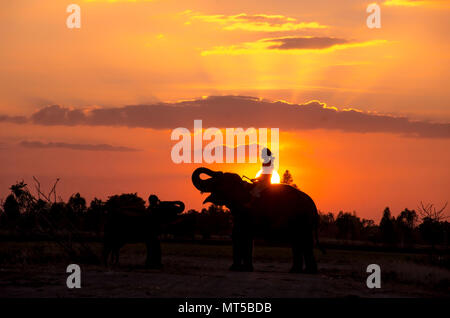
(282, 212)
(130, 222)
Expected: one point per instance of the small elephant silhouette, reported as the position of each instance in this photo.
(128, 221)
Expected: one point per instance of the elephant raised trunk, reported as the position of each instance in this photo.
(204, 185)
(177, 206)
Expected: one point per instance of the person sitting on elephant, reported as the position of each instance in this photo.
(263, 181)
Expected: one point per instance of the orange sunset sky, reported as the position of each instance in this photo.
(364, 114)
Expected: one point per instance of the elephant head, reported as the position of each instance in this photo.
(224, 188)
(167, 211)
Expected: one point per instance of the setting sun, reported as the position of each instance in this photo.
(275, 176)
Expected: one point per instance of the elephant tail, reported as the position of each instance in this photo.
(316, 233)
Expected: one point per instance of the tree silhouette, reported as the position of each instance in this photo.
(97, 206)
(405, 224)
(432, 228)
(95, 215)
(348, 225)
(387, 227)
(288, 179)
(214, 220)
(22, 212)
(11, 207)
(77, 203)
(429, 211)
(23, 196)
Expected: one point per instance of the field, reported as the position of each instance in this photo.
(38, 269)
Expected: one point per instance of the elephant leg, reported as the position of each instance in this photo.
(115, 255)
(308, 253)
(297, 256)
(237, 243)
(237, 255)
(154, 259)
(248, 255)
(106, 252)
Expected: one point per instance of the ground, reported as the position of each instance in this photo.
(38, 269)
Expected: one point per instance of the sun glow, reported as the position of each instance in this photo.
(274, 179)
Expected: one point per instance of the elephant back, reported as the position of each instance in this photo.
(125, 204)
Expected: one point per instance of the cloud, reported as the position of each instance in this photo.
(437, 4)
(89, 147)
(57, 115)
(254, 22)
(406, 3)
(114, 1)
(241, 111)
(403, 3)
(290, 45)
(12, 119)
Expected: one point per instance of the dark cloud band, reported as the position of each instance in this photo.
(299, 43)
(89, 147)
(240, 111)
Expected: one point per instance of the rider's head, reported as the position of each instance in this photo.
(266, 154)
(153, 200)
